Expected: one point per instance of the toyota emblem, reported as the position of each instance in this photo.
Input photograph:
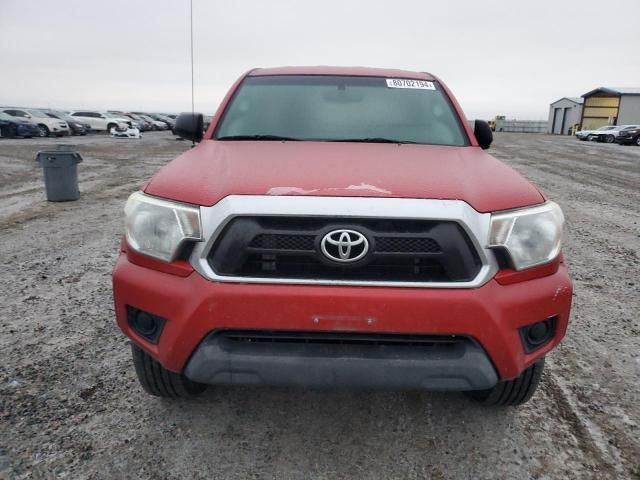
(344, 246)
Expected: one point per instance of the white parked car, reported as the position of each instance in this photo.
(607, 133)
(102, 121)
(592, 134)
(46, 124)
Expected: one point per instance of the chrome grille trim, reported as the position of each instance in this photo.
(215, 218)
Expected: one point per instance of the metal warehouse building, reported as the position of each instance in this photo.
(564, 114)
(610, 106)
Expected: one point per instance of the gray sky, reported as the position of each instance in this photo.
(498, 57)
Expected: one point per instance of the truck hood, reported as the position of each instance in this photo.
(215, 169)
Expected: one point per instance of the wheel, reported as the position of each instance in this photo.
(609, 139)
(44, 130)
(512, 392)
(110, 126)
(637, 142)
(159, 381)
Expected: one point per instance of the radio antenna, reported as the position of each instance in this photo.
(193, 143)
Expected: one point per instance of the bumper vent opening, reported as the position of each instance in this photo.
(340, 338)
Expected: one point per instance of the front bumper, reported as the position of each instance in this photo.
(194, 307)
(339, 360)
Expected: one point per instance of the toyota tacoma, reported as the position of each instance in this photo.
(341, 227)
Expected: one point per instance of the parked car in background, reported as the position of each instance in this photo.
(12, 127)
(629, 136)
(592, 134)
(76, 126)
(611, 136)
(143, 125)
(163, 118)
(173, 117)
(46, 124)
(102, 121)
(134, 122)
(139, 124)
(157, 124)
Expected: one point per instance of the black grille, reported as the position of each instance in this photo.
(283, 242)
(400, 250)
(406, 245)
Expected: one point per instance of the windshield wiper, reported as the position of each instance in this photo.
(258, 137)
(292, 139)
(372, 140)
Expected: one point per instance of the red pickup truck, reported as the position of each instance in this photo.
(341, 227)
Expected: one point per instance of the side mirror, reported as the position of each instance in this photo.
(189, 126)
(483, 134)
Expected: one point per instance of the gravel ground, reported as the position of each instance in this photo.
(70, 406)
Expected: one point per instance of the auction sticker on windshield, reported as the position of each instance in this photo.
(407, 83)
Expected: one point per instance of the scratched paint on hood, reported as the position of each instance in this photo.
(290, 191)
(364, 186)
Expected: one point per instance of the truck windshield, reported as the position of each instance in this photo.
(341, 108)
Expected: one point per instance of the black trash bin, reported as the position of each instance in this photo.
(60, 173)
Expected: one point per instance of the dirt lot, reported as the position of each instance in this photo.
(70, 406)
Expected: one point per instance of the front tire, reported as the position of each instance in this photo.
(44, 130)
(160, 382)
(512, 392)
(609, 139)
(110, 126)
(637, 142)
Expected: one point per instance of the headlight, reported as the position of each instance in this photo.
(530, 236)
(158, 228)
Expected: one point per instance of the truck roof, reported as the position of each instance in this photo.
(351, 71)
